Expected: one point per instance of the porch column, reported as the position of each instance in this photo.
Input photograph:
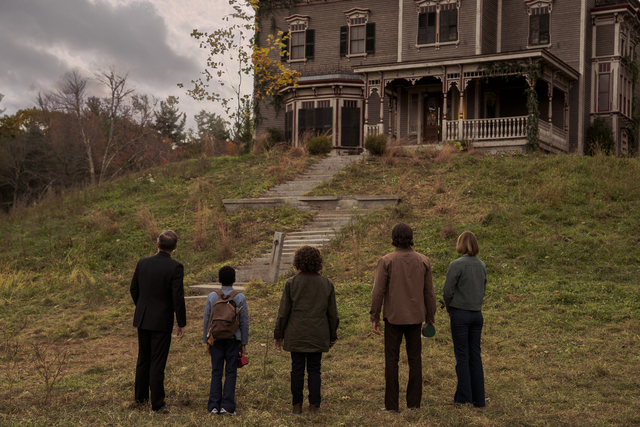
(398, 128)
(551, 85)
(366, 101)
(461, 114)
(382, 95)
(566, 111)
(550, 103)
(444, 106)
(390, 130)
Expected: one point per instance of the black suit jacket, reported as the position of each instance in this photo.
(158, 292)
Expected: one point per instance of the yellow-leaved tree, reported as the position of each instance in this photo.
(233, 54)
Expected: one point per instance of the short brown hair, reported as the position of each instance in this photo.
(402, 235)
(308, 259)
(467, 244)
(167, 241)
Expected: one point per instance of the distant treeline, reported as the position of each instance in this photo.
(72, 138)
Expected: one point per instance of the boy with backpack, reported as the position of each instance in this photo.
(226, 333)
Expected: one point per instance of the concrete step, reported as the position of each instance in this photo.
(207, 288)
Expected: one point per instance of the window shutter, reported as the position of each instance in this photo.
(302, 120)
(344, 40)
(318, 120)
(327, 119)
(309, 43)
(544, 28)
(444, 26)
(422, 28)
(311, 116)
(370, 44)
(431, 27)
(453, 24)
(284, 52)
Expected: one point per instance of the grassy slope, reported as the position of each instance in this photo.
(559, 235)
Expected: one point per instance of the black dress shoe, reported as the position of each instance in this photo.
(163, 409)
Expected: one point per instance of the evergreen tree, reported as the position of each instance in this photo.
(211, 125)
(169, 122)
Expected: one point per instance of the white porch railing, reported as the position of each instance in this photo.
(504, 128)
(481, 129)
(373, 130)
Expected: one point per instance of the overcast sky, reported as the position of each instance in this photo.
(41, 40)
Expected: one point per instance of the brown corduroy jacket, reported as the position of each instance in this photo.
(404, 284)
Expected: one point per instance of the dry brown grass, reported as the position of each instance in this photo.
(147, 222)
(439, 187)
(105, 221)
(305, 137)
(298, 152)
(223, 239)
(259, 144)
(201, 229)
(445, 154)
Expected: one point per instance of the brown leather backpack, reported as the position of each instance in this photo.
(224, 319)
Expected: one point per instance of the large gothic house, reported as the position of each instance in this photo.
(424, 71)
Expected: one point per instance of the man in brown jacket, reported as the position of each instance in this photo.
(404, 284)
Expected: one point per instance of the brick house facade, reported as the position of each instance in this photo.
(413, 69)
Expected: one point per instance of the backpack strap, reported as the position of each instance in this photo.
(233, 294)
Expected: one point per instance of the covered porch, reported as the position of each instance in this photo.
(431, 103)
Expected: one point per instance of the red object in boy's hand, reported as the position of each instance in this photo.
(242, 360)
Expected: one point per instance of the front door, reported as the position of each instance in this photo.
(432, 118)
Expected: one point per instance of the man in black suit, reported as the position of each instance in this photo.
(157, 292)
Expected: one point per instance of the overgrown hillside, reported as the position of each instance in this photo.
(560, 236)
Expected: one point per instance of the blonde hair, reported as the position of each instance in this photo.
(467, 244)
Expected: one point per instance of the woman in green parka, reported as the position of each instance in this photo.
(307, 323)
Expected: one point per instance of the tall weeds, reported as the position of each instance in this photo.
(223, 240)
(201, 231)
(147, 222)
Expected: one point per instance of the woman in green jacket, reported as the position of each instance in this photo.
(307, 323)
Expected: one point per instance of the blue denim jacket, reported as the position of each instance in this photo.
(242, 334)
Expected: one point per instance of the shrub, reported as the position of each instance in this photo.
(599, 138)
(274, 137)
(319, 145)
(376, 144)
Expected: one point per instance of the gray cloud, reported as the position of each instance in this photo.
(41, 40)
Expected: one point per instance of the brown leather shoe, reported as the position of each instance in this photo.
(297, 409)
(313, 409)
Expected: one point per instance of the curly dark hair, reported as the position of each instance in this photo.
(402, 235)
(308, 259)
(227, 275)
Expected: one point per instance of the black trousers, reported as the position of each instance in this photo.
(314, 364)
(153, 350)
(392, 340)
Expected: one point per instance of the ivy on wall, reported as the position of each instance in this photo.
(532, 71)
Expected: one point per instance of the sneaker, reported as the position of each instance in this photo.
(214, 411)
(225, 412)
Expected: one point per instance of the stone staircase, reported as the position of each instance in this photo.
(324, 170)
(323, 227)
